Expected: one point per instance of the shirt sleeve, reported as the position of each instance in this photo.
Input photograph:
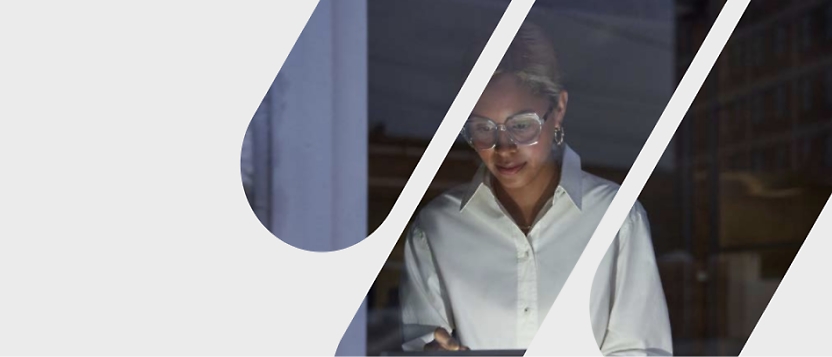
(423, 299)
(639, 322)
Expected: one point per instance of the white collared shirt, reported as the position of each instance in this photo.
(470, 269)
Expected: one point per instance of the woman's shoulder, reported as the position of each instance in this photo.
(600, 191)
(598, 188)
(445, 205)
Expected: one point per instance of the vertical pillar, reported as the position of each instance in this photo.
(350, 130)
(317, 115)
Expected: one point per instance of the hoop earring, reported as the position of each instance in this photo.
(559, 135)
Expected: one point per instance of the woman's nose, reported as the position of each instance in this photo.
(504, 141)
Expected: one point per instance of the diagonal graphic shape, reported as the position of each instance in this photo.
(415, 72)
(566, 330)
(794, 322)
(323, 80)
(367, 257)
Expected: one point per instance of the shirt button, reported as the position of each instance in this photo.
(526, 254)
(526, 310)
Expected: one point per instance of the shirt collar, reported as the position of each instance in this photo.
(570, 180)
(571, 176)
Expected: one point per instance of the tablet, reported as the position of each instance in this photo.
(457, 353)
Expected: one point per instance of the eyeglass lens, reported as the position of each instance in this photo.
(483, 133)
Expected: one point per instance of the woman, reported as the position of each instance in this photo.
(485, 262)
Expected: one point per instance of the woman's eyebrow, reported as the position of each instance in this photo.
(524, 111)
(479, 116)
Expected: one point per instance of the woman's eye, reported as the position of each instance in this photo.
(520, 126)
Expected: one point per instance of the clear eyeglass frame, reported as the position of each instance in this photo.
(466, 134)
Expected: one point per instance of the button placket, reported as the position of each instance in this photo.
(526, 290)
(527, 321)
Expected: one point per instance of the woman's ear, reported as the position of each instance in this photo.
(563, 98)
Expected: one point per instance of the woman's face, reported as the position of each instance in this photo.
(518, 166)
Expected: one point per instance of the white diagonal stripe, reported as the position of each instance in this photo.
(796, 321)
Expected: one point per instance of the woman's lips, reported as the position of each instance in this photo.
(508, 170)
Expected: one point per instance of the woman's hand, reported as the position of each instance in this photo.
(443, 341)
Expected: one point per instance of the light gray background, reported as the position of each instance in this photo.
(124, 225)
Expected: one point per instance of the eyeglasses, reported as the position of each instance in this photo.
(522, 129)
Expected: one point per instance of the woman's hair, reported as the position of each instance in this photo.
(531, 57)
